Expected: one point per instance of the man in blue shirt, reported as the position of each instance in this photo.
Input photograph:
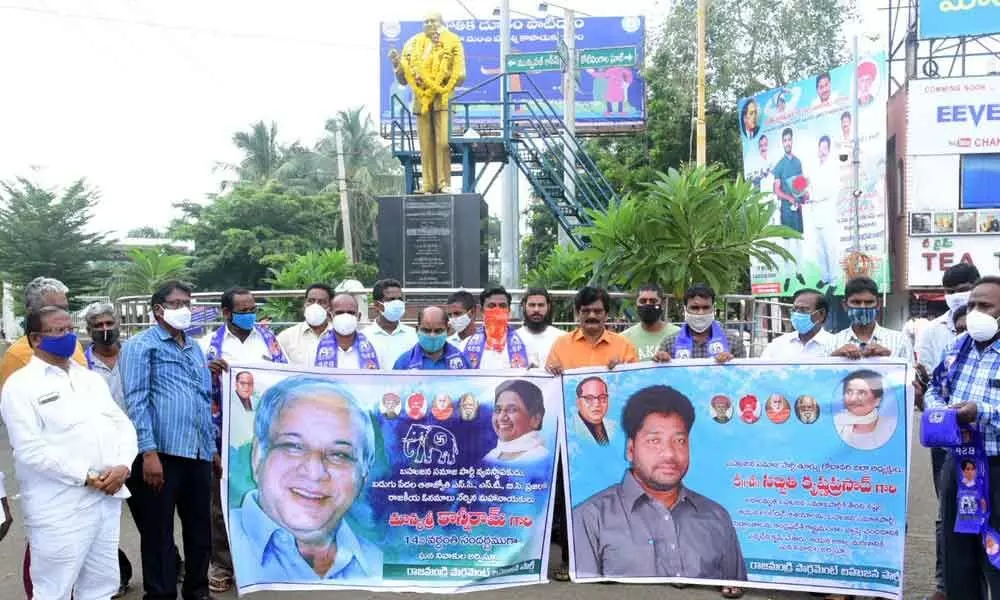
(788, 167)
(432, 351)
(313, 450)
(167, 389)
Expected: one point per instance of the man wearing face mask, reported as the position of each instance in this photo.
(648, 333)
(865, 338)
(432, 352)
(538, 332)
(809, 340)
(168, 395)
(701, 336)
(40, 291)
(240, 340)
(496, 345)
(461, 310)
(389, 335)
(969, 387)
(72, 447)
(300, 341)
(344, 347)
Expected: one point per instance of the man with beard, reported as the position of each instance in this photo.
(648, 334)
(538, 333)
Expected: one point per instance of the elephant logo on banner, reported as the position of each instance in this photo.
(421, 442)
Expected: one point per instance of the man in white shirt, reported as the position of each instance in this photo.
(240, 340)
(300, 341)
(72, 444)
(821, 243)
(388, 334)
(865, 338)
(538, 332)
(496, 345)
(809, 340)
(461, 309)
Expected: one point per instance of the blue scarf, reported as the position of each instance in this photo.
(684, 344)
(89, 355)
(452, 355)
(215, 351)
(516, 351)
(328, 349)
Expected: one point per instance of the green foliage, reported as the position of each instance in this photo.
(693, 225)
(565, 268)
(146, 270)
(43, 232)
(301, 271)
(146, 232)
(237, 233)
(537, 246)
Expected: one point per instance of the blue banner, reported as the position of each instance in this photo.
(605, 97)
(391, 481)
(768, 475)
(956, 18)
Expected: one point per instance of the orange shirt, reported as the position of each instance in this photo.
(574, 350)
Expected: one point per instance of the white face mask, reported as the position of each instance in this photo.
(957, 300)
(699, 323)
(345, 324)
(316, 315)
(459, 323)
(393, 310)
(178, 318)
(981, 326)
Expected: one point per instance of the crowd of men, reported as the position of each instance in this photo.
(140, 421)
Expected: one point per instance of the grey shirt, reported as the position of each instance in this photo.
(623, 532)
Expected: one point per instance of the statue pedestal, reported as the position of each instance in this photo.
(433, 240)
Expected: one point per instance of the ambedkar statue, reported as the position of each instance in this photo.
(433, 65)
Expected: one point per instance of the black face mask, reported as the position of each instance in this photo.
(105, 337)
(650, 313)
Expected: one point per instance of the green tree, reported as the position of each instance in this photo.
(47, 232)
(537, 246)
(298, 272)
(146, 270)
(565, 268)
(237, 233)
(145, 232)
(687, 226)
(261, 153)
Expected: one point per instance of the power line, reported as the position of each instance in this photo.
(186, 28)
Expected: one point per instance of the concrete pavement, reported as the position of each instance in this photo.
(919, 567)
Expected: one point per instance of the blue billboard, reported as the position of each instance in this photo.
(956, 18)
(606, 97)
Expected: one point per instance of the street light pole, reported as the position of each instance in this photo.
(700, 133)
(508, 181)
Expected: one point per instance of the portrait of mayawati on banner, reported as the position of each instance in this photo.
(746, 473)
(395, 481)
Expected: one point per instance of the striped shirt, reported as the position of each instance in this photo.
(896, 342)
(168, 394)
(976, 379)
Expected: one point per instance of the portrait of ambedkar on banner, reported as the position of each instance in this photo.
(650, 524)
(312, 452)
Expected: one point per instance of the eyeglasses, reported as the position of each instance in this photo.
(592, 399)
(55, 332)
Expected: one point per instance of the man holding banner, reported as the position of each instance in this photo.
(344, 347)
(496, 345)
(433, 351)
(701, 336)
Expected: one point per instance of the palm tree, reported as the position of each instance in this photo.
(146, 270)
(262, 156)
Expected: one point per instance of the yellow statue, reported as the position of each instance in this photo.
(433, 65)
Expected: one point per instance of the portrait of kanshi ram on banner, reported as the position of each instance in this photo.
(402, 481)
(432, 64)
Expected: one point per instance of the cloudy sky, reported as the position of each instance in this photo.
(142, 96)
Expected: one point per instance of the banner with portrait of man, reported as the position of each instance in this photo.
(752, 474)
(392, 481)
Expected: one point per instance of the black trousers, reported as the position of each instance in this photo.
(187, 489)
(938, 456)
(966, 569)
(559, 526)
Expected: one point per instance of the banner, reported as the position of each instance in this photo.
(388, 481)
(611, 92)
(954, 116)
(777, 476)
(956, 18)
(798, 148)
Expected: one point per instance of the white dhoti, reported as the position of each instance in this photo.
(78, 556)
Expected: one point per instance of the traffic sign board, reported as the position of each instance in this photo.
(533, 62)
(604, 58)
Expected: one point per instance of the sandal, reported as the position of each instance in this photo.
(220, 584)
(732, 592)
(561, 574)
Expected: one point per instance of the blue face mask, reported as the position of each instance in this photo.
(802, 322)
(862, 316)
(245, 321)
(431, 343)
(62, 346)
